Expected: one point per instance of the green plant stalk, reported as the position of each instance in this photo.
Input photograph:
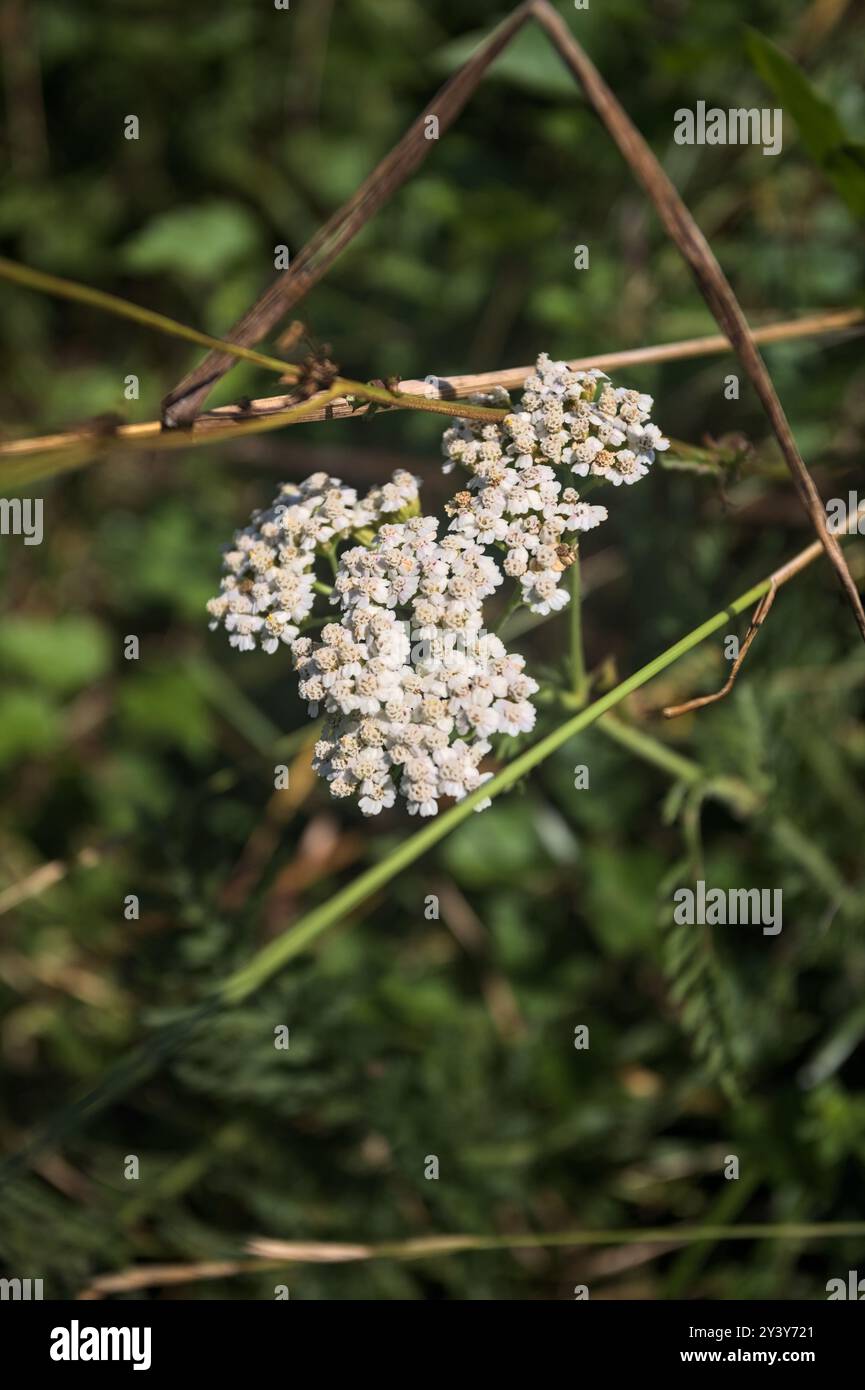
(733, 1199)
(277, 953)
(124, 308)
(651, 750)
(577, 657)
(515, 603)
(142, 1060)
(787, 837)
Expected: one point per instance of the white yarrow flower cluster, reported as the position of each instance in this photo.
(412, 685)
(566, 419)
(268, 588)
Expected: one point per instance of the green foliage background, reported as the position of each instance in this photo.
(412, 1037)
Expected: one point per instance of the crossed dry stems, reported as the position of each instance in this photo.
(182, 405)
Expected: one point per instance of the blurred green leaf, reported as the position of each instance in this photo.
(163, 706)
(823, 135)
(621, 898)
(200, 241)
(63, 654)
(29, 724)
(530, 62)
(497, 846)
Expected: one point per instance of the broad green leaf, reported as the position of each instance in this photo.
(823, 135)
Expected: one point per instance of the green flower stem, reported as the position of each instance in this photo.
(741, 798)
(124, 308)
(270, 960)
(651, 750)
(577, 658)
(515, 603)
(141, 1061)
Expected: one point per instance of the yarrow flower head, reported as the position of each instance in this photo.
(411, 684)
(268, 588)
(566, 421)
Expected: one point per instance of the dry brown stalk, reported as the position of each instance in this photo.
(47, 875)
(315, 259)
(712, 282)
(761, 613)
(181, 406)
(273, 412)
(274, 1254)
(779, 577)
(162, 1276)
(834, 321)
